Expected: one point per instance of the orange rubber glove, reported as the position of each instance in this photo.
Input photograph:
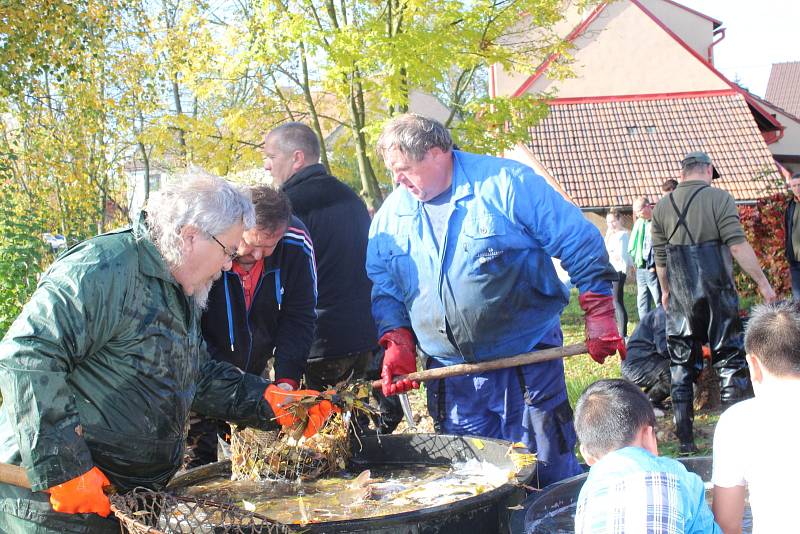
(602, 336)
(82, 495)
(315, 416)
(399, 358)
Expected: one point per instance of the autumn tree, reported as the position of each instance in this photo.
(370, 55)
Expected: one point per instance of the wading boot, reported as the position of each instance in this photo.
(684, 417)
(734, 386)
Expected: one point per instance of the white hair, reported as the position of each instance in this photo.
(197, 199)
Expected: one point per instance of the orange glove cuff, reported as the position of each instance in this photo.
(317, 414)
(82, 495)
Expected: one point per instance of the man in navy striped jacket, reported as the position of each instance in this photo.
(262, 308)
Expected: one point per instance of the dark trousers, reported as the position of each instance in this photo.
(652, 374)
(202, 441)
(703, 307)
(620, 312)
(794, 271)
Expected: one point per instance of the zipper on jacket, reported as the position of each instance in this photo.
(247, 314)
(228, 309)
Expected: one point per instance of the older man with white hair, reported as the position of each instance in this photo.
(99, 371)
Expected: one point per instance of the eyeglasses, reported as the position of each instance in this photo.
(231, 255)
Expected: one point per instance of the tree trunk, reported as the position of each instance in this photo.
(369, 183)
(146, 180)
(312, 109)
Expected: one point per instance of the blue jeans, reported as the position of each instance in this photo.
(647, 287)
(794, 270)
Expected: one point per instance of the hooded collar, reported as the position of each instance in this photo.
(306, 173)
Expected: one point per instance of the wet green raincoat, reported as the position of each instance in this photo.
(101, 368)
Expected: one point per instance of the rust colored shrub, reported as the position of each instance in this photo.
(763, 226)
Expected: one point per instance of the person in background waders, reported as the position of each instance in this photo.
(696, 231)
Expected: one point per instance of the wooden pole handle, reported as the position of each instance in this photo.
(503, 363)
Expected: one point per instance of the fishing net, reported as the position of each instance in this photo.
(259, 455)
(142, 511)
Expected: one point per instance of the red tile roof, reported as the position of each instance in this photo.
(783, 87)
(606, 153)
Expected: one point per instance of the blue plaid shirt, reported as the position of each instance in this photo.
(632, 491)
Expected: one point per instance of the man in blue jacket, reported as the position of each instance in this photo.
(262, 308)
(461, 262)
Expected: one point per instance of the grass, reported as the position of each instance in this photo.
(581, 371)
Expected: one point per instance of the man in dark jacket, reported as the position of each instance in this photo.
(262, 308)
(99, 371)
(338, 221)
(792, 235)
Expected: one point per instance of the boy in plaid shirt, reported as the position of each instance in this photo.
(630, 488)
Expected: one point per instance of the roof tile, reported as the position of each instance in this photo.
(616, 151)
(783, 87)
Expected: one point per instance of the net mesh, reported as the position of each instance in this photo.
(258, 455)
(148, 512)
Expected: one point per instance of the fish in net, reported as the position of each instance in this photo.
(142, 511)
(285, 454)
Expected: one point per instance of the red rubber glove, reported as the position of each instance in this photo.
(82, 495)
(399, 358)
(602, 336)
(316, 415)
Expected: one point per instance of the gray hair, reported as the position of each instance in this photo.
(197, 199)
(694, 168)
(413, 135)
(296, 136)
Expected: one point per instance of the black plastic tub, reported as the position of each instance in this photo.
(552, 500)
(485, 513)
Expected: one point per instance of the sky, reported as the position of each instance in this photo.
(759, 33)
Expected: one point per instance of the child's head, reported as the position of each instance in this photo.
(612, 414)
(772, 341)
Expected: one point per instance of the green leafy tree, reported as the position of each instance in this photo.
(22, 252)
(369, 55)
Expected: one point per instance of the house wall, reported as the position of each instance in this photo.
(508, 81)
(789, 144)
(624, 52)
(427, 105)
(697, 31)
